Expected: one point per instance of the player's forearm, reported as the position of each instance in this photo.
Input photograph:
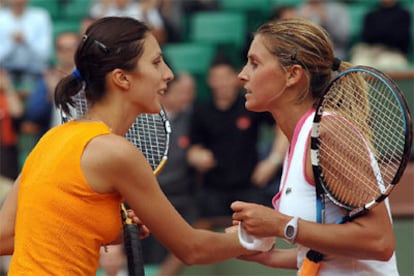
(6, 232)
(209, 247)
(7, 220)
(364, 238)
(277, 258)
(6, 245)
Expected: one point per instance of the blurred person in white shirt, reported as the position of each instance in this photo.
(144, 10)
(26, 41)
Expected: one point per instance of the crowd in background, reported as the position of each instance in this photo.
(33, 58)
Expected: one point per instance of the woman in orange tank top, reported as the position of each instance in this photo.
(72, 183)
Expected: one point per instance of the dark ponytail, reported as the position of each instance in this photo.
(67, 87)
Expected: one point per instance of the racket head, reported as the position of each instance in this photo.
(150, 133)
(361, 138)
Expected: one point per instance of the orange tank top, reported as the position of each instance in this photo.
(61, 222)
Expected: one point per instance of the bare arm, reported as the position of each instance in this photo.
(277, 258)
(373, 231)
(267, 168)
(124, 169)
(14, 103)
(201, 158)
(7, 220)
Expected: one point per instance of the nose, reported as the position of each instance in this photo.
(168, 75)
(242, 75)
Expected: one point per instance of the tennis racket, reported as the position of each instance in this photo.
(151, 134)
(360, 145)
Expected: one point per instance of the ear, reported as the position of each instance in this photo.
(295, 73)
(120, 79)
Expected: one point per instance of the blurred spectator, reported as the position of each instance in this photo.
(113, 260)
(172, 13)
(5, 186)
(143, 10)
(334, 18)
(11, 111)
(40, 113)
(224, 139)
(177, 178)
(388, 24)
(175, 14)
(85, 23)
(386, 37)
(283, 12)
(26, 42)
(200, 5)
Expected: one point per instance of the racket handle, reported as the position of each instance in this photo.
(132, 244)
(133, 250)
(311, 264)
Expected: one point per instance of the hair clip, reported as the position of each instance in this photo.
(293, 56)
(101, 46)
(84, 38)
(336, 64)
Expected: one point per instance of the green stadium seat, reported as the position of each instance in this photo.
(65, 25)
(189, 57)
(76, 9)
(245, 5)
(357, 13)
(219, 27)
(193, 58)
(226, 30)
(257, 11)
(278, 3)
(52, 6)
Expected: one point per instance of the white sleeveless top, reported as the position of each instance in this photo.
(297, 197)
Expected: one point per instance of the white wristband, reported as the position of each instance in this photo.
(252, 242)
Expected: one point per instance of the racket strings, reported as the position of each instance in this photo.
(148, 135)
(385, 118)
(148, 132)
(368, 143)
(390, 138)
(345, 172)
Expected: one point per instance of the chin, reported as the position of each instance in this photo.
(252, 107)
(156, 108)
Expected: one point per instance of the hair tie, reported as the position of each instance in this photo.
(76, 74)
(336, 64)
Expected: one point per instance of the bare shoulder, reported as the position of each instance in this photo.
(107, 159)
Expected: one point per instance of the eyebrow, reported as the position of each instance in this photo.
(252, 56)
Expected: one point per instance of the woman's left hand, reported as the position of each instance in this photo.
(258, 220)
(143, 230)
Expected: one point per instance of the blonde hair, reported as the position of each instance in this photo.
(299, 41)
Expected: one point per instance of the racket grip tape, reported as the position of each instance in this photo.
(311, 264)
(133, 250)
(132, 245)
